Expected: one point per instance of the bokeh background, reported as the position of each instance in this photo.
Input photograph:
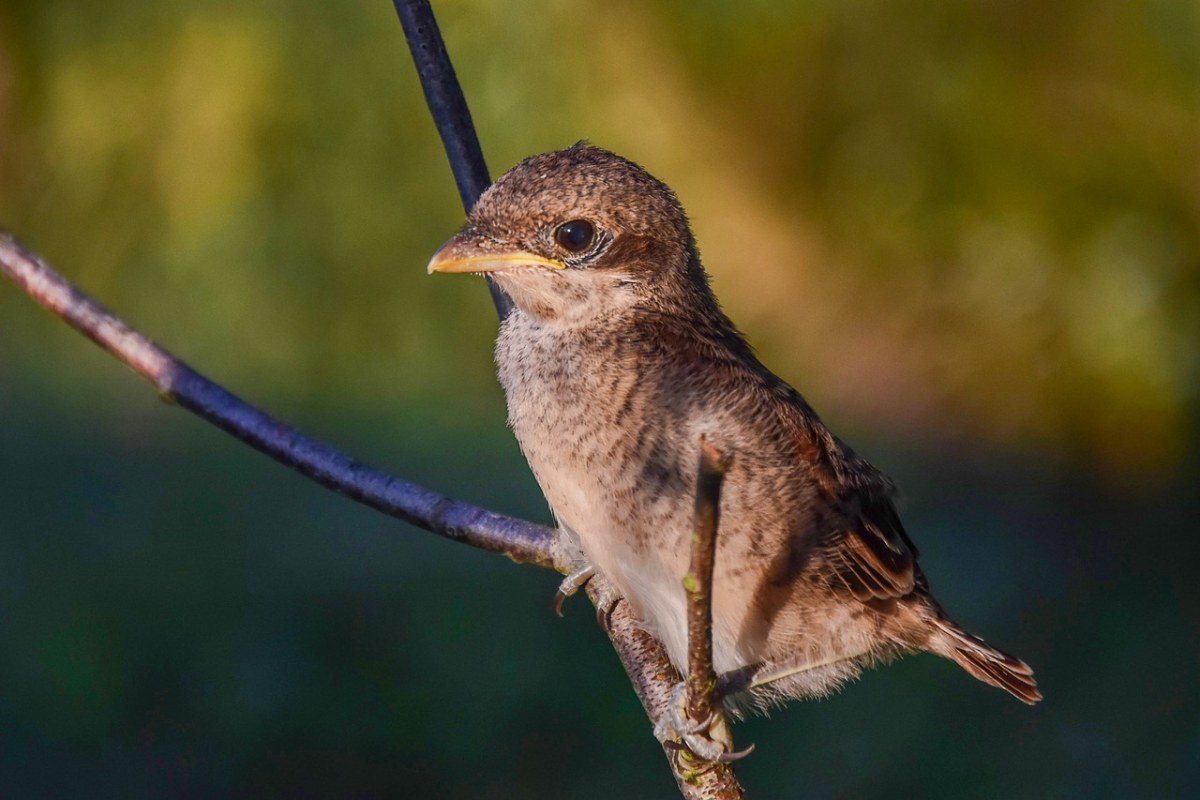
(969, 232)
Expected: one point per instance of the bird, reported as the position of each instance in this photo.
(617, 361)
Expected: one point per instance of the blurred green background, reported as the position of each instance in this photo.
(969, 232)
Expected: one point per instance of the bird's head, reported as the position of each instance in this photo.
(576, 233)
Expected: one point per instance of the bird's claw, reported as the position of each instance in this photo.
(572, 584)
(606, 600)
(708, 740)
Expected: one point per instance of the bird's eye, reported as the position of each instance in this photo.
(575, 236)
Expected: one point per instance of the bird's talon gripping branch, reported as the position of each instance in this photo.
(736, 755)
(708, 740)
(572, 584)
(605, 603)
(569, 557)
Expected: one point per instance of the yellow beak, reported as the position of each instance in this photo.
(465, 253)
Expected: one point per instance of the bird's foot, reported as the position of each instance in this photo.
(606, 601)
(709, 740)
(572, 584)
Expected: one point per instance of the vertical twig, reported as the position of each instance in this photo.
(446, 102)
(702, 678)
(705, 728)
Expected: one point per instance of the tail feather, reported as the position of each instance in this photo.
(985, 662)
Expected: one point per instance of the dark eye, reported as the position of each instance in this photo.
(575, 236)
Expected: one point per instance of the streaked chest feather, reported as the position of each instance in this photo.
(582, 412)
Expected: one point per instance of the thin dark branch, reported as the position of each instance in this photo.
(448, 106)
(521, 541)
(702, 678)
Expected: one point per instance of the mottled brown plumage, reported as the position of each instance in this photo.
(615, 362)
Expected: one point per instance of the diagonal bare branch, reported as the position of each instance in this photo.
(524, 542)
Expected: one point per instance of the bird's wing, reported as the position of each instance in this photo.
(873, 557)
(867, 549)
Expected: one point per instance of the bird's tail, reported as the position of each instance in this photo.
(983, 661)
